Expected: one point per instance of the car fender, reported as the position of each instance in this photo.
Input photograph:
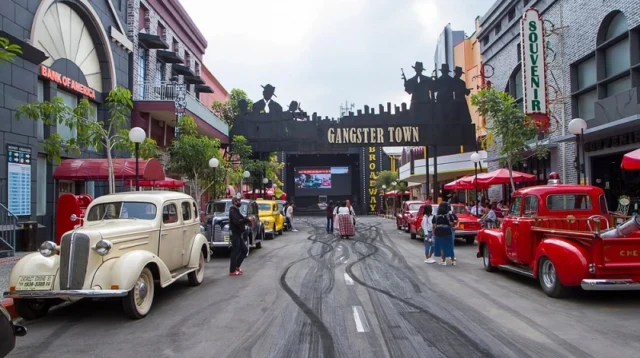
(35, 264)
(569, 258)
(199, 245)
(495, 240)
(124, 270)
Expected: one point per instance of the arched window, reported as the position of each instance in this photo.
(606, 71)
(514, 86)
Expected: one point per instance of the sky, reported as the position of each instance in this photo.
(323, 53)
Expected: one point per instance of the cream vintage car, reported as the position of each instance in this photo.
(125, 244)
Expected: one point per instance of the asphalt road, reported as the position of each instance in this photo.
(310, 294)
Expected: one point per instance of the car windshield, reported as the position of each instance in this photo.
(415, 207)
(264, 207)
(218, 207)
(122, 210)
(459, 209)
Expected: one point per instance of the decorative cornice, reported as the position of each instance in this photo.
(121, 40)
(115, 15)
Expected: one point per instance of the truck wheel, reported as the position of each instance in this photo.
(275, 232)
(31, 309)
(470, 240)
(486, 259)
(549, 280)
(196, 277)
(138, 301)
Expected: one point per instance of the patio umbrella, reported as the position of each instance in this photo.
(396, 193)
(462, 183)
(501, 176)
(631, 160)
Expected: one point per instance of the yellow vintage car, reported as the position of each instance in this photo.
(271, 218)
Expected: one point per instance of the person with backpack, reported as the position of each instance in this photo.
(427, 228)
(442, 230)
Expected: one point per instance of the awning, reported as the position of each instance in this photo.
(397, 193)
(98, 170)
(631, 160)
(501, 176)
(197, 80)
(619, 126)
(168, 56)
(182, 70)
(152, 41)
(204, 89)
(165, 183)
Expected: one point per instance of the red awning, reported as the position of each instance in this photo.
(165, 183)
(631, 160)
(98, 169)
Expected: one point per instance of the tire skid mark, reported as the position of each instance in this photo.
(462, 337)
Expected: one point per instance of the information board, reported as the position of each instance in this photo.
(19, 172)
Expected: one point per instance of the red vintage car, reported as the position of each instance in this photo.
(468, 225)
(559, 234)
(409, 211)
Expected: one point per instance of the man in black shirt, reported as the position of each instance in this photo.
(239, 250)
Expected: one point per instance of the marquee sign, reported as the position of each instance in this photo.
(67, 82)
(533, 63)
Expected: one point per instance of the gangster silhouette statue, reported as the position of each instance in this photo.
(444, 86)
(420, 87)
(267, 105)
(460, 91)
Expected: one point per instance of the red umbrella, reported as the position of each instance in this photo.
(462, 183)
(501, 176)
(631, 160)
(396, 193)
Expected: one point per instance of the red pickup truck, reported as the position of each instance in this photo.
(468, 225)
(409, 211)
(560, 235)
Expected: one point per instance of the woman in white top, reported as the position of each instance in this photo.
(427, 227)
(345, 221)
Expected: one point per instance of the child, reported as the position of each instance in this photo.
(427, 228)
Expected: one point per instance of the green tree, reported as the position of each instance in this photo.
(189, 156)
(386, 177)
(227, 111)
(109, 136)
(8, 51)
(509, 129)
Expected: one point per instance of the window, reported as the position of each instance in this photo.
(122, 210)
(159, 73)
(93, 117)
(587, 74)
(531, 205)
(71, 101)
(186, 211)
(175, 47)
(516, 206)
(618, 86)
(264, 207)
(41, 184)
(197, 70)
(485, 40)
(162, 32)
(170, 214)
(617, 26)
(90, 188)
(603, 204)
(518, 87)
(498, 29)
(218, 207)
(511, 14)
(196, 213)
(569, 202)
(141, 74)
(40, 124)
(586, 105)
(142, 18)
(617, 58)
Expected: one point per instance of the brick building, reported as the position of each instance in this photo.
(593, 72)
(83, 63)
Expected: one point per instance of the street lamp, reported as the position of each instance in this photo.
(213, 163)
(264, 187)
(577, 127)
(245, 175)
(137, 136)
(384, 199)
(475, 158)
(393, 184)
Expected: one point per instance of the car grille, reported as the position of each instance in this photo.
(217, 230)
(74, 256)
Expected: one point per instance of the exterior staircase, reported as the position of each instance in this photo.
(8, 228)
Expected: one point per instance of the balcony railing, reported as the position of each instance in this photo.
(168, 91)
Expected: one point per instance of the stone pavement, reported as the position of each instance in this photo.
(6, 265)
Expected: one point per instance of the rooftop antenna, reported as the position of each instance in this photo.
(346, 108)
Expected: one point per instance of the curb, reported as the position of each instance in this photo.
(8, 304)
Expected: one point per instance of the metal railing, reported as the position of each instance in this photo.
(8, 228)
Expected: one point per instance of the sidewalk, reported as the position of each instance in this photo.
(6, 265)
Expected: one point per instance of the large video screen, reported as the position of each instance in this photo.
(313, 181)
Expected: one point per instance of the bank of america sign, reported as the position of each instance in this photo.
(534, 73)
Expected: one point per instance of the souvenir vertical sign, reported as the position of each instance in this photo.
(534, 74)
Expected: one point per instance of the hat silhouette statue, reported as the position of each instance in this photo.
(458, 70)
(270, 88)
(444, 68)
(418, 67)
(294, 106)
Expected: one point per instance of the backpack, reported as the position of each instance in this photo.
(441, 229)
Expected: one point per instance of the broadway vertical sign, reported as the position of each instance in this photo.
(533, 63)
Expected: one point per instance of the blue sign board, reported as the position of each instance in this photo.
(19, 172)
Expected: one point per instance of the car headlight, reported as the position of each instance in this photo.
(103, 247)
(48, 248)
(266, 222)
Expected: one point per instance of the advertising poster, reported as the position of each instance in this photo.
(19, 182)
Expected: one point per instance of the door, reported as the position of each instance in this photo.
(190, 228)
(510, 227)
(170, 247)
(523, 239)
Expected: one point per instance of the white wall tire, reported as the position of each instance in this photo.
(549, 280)
(196, 277)
(486, 259)
(138, 301)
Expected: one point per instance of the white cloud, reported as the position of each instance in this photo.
(323, 52)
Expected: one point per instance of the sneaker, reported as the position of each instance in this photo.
(430, 261)
(294, 230)
(448, 261)
(442, 263)
(454, 262)
(236, 273)
(240, 270)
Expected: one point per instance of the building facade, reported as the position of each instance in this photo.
(219, 94)
(168, 74)
(593, 72)
(444, 48)
(73, 49)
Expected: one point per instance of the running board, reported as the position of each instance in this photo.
(178, 274)
(515, 269)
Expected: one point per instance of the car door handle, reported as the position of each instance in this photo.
(185, 230)
(164, 234)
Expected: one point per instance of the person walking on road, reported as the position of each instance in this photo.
(427, 228)
(453, 219)
(442, 232)
(239, 249)
(290, 216)
(345, 221)
(351, 211)
(330, 218)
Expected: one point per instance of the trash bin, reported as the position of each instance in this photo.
(29, 235)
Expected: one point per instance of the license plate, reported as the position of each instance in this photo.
(226, 238)
(35, 283)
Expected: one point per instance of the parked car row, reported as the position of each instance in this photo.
(410, 220)
(269, 215)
